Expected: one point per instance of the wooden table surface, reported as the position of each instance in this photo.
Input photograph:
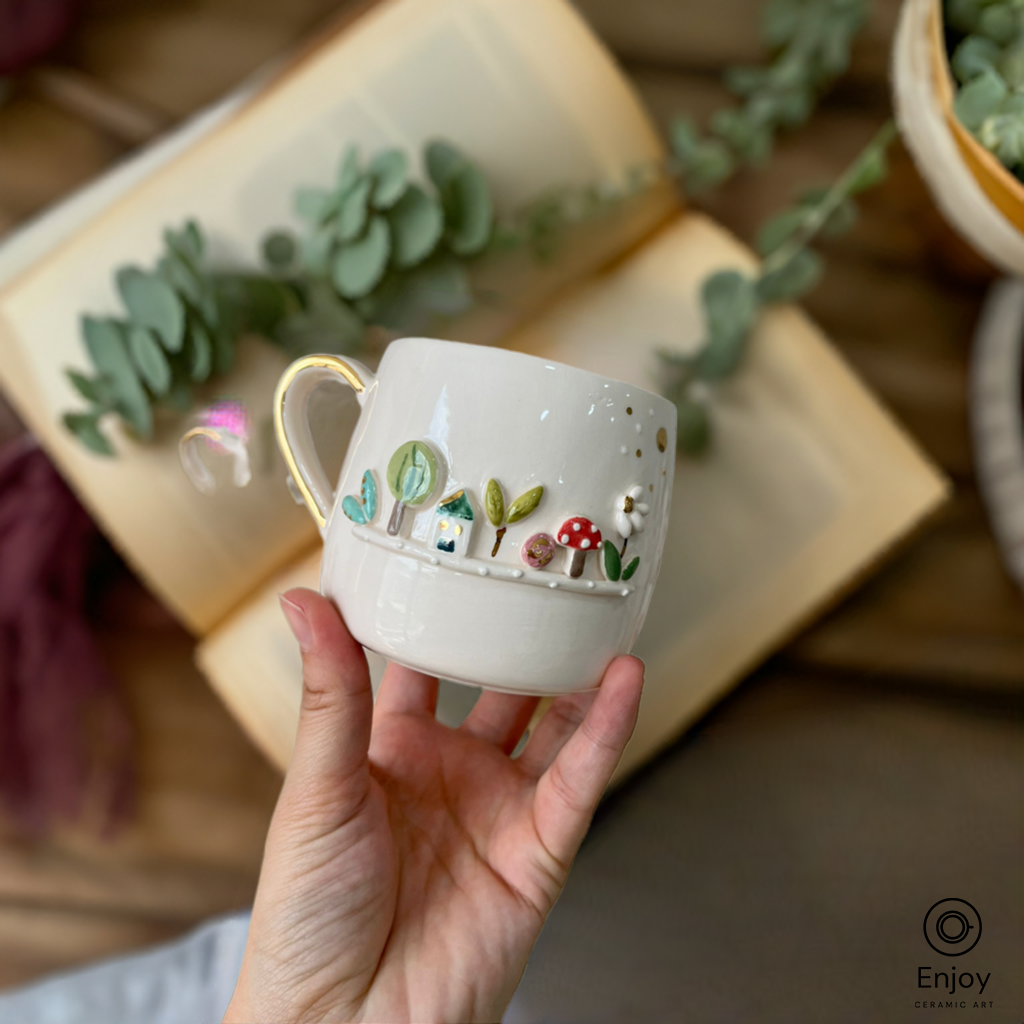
(900, 300)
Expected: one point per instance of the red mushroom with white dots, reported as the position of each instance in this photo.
(578, 536)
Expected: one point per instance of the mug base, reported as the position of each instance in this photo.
(518, 691)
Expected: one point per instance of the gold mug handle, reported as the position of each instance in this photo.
(291, 423)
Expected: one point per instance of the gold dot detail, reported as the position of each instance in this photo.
(458, 531)
(639, 454)
(662, 439)
(629, 410)
(651, 488)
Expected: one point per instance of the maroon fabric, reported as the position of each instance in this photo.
(63, 733)
(28, 28)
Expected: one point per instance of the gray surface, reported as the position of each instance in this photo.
(190, 981)
(777, 865)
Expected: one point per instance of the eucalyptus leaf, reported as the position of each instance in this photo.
(709, 165)
(149, 359)
(325, 324)
(348, 169)
(780, 20)
(388, 171)
(85, 427)
(105, 342)
(354, 210)
(258, 303)
(224, 343)
(97, 391)
(840, 220)
(417, 223)
(869, 171)
(683, 137)
(730, 304)
(153, 303)
(779, 229)
(182, 277)
(469, 211)
(187, 243)
(443, 162)
(200, 355)
(279, 250)
(315, 205)
(317, 250)
(979, 99)
(693, 427)
(358, 267)
(179, 396)
(797, 276)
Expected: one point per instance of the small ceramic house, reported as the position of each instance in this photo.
(453, 524)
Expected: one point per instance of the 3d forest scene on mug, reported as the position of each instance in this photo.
(592, 551)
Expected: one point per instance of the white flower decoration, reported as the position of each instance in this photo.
(630, 512)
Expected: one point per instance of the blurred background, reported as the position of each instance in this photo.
(777, 862)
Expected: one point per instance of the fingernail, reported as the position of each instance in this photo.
(297, 621)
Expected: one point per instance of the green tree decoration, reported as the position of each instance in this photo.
(500, 517)
(412, 478)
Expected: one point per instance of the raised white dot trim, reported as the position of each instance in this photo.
(499, 572)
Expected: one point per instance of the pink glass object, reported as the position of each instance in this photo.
(223, 428)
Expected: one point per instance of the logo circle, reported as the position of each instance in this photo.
(952, 927)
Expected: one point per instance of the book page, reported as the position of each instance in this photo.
(808, 484)
(523, 88)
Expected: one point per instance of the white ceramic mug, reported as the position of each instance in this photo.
(499, 519)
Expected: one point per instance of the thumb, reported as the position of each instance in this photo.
(329, 767)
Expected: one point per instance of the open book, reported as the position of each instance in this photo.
(808, 483)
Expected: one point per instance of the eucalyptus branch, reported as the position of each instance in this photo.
(866, 170)
(733, 301)
(811, 42)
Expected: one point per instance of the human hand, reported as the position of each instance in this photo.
(409, 867)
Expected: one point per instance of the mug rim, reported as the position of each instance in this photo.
(525, 357)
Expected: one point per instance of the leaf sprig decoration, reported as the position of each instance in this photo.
(988, 62)
(810, 41)
(732, 301)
